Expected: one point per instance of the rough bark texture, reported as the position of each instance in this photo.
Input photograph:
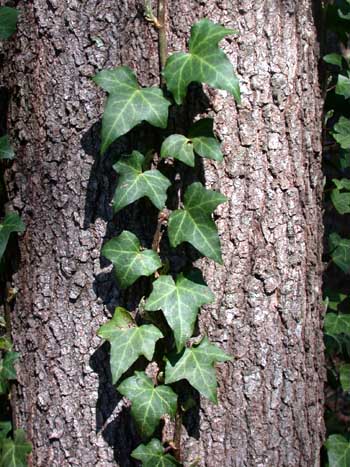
(268, 311)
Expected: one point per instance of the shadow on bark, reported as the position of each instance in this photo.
(141, 219)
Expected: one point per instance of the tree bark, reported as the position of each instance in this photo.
(268, 312)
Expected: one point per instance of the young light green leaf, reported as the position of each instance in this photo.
(338, 450)
(205, 62)
(334, 59)
(15, 452)
(7, 370)
(134, 184)
(343, 184)
(6, 150)
(11, 223)
(200, 139)
(5, 343)
(340, 251)
(337, 324)
(197, 366)
(343, 86)
(153, 455)
(194, 224)
(334, 299)
(128, 341)
(8, 22)
(344, 376)
(341, 201)
(149, 403)
(128, 104)
(342, 132)
(180, 302)
(129, 262)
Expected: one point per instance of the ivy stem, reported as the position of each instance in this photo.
(177, 433)
(163, 42)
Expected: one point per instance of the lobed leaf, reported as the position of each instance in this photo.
(11, 223)
(7, 370)
(335, 324)
(334, 59)
(128, 104)
(197, 366)
(338, 450)
(8, 22)
(200, 139)
(180, 302)
(340, 251)
(149, 403)
(341, 201)
(134, 184)
(334, 299)
(194, 223)
(128, 341)
(205, 62)
(342, 132)
(343, 86)
(15, 452)
(6, 150)
(153, 455)
(129, 262)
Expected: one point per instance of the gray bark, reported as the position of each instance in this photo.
(268, 308)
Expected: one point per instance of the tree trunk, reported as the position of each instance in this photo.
(268, 308)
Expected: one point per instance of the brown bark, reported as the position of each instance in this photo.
(268, 309)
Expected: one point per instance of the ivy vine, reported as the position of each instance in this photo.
(178, 296)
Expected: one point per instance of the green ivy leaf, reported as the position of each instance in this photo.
(134, 184)
(128, 341)
(344, 158)
(153, 455)
(8, 22)
(342, 132)
(205, 62)
(340, 251)
(128, 104)
(129, 262)
(15, 452)
(343, 86)
(5, 428)
(180, 302)
(11, 223)
(200, 139)
(343, 184)
(149, 403)
(341, 201)
(338, 450)
(6, 150)
(7, 370)
(334, 59)
(194, 224)
(197, 366)
(335, 324)
(344, 376)
(5, 343)
(334, 299)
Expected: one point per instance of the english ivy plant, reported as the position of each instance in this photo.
(163, 330)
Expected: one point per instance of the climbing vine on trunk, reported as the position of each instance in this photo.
(175, 353)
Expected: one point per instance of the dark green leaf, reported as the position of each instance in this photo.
(180, 303)
(129, 262)
(337, 324)
(341, 201)
(205, 62)
(15, 452)
(6, 150)
(8, 22)
(197, 366)
(342, 132)
(200, 139)
(340, 251)
(11, 223)
(338, 450)
(333, 59)
(149, 403)
(128, 341)
(5, 428)
(7, 370)
(343, 184)
(153, 455)
(194, 223)
(344, 159)
(344, 375)
(134, 184)
(343, 86)
(128, 104)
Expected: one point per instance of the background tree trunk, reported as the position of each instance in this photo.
(268, 308)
